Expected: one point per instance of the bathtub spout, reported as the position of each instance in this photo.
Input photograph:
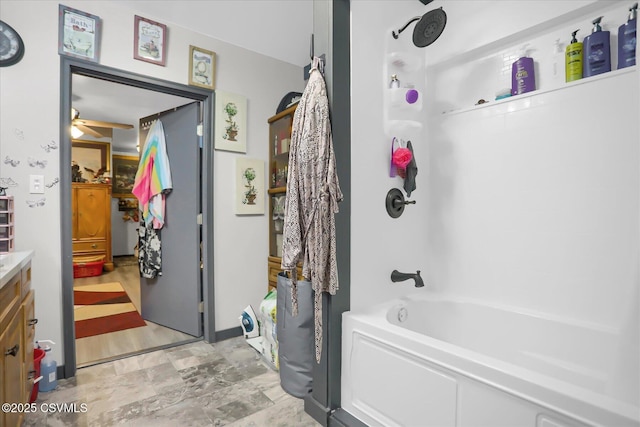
(396, 276)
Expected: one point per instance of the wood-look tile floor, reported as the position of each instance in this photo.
(103, 347)
(197, 384)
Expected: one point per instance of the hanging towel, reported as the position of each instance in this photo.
(153, 178)
(312, 197)
(411, 172)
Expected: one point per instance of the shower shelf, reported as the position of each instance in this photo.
(526, 98)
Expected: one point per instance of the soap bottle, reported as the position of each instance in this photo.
(597, 51)
(523, 77)
(573, 59)
(627, 40)
(558, 62)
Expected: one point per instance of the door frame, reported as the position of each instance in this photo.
(69, 67)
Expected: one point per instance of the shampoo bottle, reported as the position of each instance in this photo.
(523, 77)
(627, 40)
(597, 50)
(573, 59)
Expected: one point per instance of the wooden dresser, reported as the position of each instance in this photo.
(91, 221)
(17, 333)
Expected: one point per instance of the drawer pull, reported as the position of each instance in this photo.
(12, 351)
(32, 322)
(94, 246)
(32, 375)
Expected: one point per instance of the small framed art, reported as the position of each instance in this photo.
(78, 34)
(202, 67)
(150, 42)
(250, 189)
(230, 122)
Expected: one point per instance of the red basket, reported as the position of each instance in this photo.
(87, 269)
(38, 355)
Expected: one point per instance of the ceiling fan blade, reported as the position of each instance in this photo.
(88, 130)
(98, 123)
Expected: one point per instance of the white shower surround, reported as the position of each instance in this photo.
(455, 362)
(532, 204)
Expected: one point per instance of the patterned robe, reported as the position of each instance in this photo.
(312, 197)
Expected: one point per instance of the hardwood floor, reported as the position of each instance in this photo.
(114, 345)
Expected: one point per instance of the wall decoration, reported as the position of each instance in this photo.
(33, 162)
(89, 160)
(250, 188)
(150, 41)
(5, 184)
(50, 146)
(9, 161)
(127, 204)
(231, 122)
(124, 175)
(36, 203)
(54, 182)
(12, 47)
(202, 67)
(78, 34)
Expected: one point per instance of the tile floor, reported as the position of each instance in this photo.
(197, 384)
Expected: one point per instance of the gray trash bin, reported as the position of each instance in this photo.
(295, 337)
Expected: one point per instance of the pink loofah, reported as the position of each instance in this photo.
(402, 157)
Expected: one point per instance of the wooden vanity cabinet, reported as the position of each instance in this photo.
(17, 334)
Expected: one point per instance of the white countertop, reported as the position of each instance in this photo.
(12, 263)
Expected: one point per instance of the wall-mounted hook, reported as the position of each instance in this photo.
(395, 203)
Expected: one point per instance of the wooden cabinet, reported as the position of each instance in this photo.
(91, 221)
(17, 334)
(279, 141)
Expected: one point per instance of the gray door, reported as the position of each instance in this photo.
(172, 298)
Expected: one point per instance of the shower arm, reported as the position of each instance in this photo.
(396, 35)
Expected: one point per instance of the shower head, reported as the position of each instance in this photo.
(428, 29)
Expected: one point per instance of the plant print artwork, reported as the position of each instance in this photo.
(231, 130)
(251, 193)
(230, 127)
(250, 186)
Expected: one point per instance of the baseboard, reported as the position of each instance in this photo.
(225, 334)
(60, 372)
(341, 418)
(316, 410)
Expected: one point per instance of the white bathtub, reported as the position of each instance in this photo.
(422, 361)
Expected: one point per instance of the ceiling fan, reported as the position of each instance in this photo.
(95, 128)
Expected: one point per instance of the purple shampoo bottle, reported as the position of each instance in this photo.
(627, 40)
(523, 78)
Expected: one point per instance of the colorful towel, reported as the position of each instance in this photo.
(153, 178)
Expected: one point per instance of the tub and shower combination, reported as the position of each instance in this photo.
(428, 361)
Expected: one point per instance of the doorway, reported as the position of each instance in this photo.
(204, 100)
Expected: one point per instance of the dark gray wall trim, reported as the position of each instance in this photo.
(325, 396)
(341, 418)
(225, 334)
(68, 67)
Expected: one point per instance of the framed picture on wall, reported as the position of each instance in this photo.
(231, 122)
(123, 176)
(89, 160)
(250, 188)
(150, 41)
(202, 67)
(78, 34)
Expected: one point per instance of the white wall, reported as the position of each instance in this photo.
(547, 224)
(29, 114)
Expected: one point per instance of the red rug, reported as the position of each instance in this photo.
(97, 313)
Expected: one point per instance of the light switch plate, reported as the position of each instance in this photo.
(36, 184)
